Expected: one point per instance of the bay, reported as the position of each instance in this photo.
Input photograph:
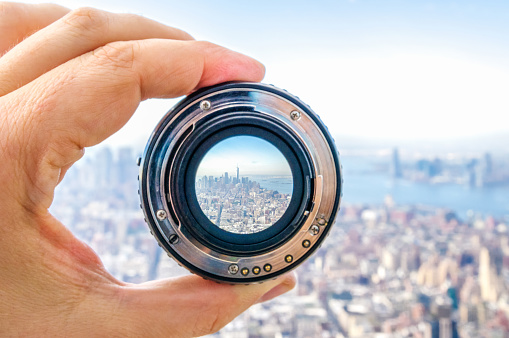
(365, 184)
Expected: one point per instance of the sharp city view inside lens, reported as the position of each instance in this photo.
(244, 184)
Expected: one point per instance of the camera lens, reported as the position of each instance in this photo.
(244, 184)
(240, 182)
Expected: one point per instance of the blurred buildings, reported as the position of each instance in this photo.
(475, 172)
(386, 270)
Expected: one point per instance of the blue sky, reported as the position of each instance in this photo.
(371, 69)
(252, 155)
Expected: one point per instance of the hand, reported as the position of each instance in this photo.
(68, 80)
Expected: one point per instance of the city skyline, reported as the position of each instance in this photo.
(239, 205)
(254, 155)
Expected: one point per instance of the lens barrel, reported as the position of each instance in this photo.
(196, 220)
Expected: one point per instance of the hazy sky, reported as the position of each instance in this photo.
(371, 69)
(252, 155)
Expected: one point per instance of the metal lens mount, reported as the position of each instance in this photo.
(168, 177)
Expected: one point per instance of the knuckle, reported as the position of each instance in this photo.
(120, 54)
(87, 19)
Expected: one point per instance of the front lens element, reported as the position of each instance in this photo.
(244, 184)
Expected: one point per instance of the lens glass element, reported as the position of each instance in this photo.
(244, 184)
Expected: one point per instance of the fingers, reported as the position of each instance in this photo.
(89, 98)
(77, 33)
(191, 306)
(17, 21)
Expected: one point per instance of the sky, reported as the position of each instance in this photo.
(373, 70)
(253, 156)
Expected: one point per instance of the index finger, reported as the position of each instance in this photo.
(87, 99)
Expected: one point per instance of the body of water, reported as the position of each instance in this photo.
(283, 184)
(364, 184)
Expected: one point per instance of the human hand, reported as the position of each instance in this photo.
(68, 80)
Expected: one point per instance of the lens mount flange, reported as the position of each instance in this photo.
(168, 169)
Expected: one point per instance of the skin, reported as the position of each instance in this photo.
(69, 80)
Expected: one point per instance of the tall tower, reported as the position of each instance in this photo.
(226, 181)
(125, 165)
(395, 164)
(104, 167)
(238, 174)
(487, 277)
(487, 163)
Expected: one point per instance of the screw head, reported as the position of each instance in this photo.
(205, 105)
(233, 269)
(314, 230)
(161, 215)
(174, 239)
(306, 243)
(295, 115)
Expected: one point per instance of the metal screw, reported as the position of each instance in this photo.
(314, 230)
(321, 221)
(295, 115)
(161, 215)
(174, 239)
(205, 105)
(233, 269)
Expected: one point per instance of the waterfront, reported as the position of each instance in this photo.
(365, 183)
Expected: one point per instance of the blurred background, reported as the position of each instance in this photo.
(416, 95)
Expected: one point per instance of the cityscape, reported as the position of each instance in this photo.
(473, 172)
(396, 263)
(239, 205)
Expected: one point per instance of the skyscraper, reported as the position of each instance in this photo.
(395, 164)
(237, 174)
(126, 168)
(487, 164)
(104, 167)
(486, 277)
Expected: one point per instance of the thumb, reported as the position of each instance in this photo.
(190, 306)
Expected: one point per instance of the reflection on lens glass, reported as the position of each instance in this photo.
(244, 184)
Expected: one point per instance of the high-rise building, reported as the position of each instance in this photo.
(226, 180)
(487, 277)
(237, 174)
(487, 164)
(395, 164)
(126, 167)
(484, 273)
(104, 167)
